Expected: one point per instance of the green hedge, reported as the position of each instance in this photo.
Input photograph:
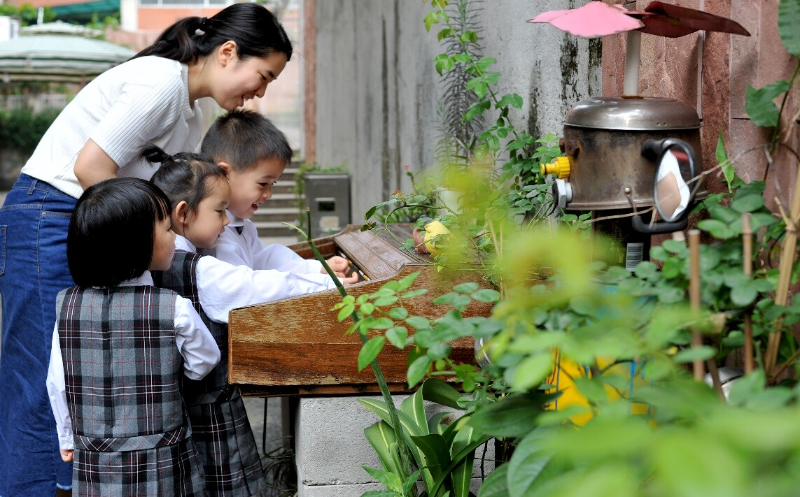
(22, 128)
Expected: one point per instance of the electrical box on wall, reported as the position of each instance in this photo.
(328, 199)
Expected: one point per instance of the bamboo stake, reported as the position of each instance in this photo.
(747, 241)
(694, 296)
(784, 279)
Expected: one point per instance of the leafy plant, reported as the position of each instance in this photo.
(22, 128)
(27, 13)
(587, 378)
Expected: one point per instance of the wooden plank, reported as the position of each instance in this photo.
(297, 347)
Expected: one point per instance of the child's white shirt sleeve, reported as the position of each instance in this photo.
(247, 249)
(57, 392)
(195, 343)
(222, 286)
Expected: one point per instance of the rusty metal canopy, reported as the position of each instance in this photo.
(633, 114)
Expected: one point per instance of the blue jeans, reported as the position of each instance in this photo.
(33, 268)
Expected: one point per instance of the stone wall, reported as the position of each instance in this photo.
(377, 89)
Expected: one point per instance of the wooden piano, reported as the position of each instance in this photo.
(296, 346)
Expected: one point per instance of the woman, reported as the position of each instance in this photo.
(150, 99)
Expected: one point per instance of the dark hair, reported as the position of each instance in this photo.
(184, 176)
(242, 138)
(252, 26)
(112, 231)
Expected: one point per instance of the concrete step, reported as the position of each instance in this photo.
(273, 229)
(281, 201)
(264, 214)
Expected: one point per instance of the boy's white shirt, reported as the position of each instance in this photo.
(195, 344)
(247, 249)
(222, 286)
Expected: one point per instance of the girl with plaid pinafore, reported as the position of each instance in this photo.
(120, 348)
(200, 192)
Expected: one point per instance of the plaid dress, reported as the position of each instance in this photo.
(122, 374)
(220, 427)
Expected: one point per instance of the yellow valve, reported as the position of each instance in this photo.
(559, 166)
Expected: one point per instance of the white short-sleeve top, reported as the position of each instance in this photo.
(139, 102)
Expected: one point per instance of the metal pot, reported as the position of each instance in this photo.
(603, 140)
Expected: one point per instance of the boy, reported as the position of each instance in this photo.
(255, 153)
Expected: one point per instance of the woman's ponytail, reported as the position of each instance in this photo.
(252, 26)
(154, 154)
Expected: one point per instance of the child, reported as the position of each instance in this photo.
(199, 192)
(120, 347)
(255, 153)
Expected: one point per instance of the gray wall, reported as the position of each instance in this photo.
(377, 88)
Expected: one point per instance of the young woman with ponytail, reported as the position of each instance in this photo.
(230, 57)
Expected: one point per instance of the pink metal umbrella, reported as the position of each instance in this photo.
(658, 18)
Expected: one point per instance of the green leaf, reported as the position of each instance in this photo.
(532, 371)
(380, 493)
(743, 295)
(759, 103)
(381, 436)
(415, 293)
(468, 287)
(688, 355)
(430, 19)
(369, 351)
(788, 21)
(443, 33)
(417, 370)
(436, 390)
(727, 166)
(513, 416)
(397, 336)
(528, 463)
(384, 301)
(746, 387)
(367, 308)
(407, 281)
(747, 203)
(469, 37)
(512, 99)
(414, 406)
(495, 485)
(398, 313)
(345, 312)
(718, 229)
(381, 324)
(461, 474)
(443, 64)
(486, 295)
(418, 322)
(388, 479)
(437, 456)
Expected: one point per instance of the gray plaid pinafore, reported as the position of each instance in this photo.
(122, 373)
(220, 427)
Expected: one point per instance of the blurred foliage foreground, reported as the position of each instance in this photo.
(590, 379)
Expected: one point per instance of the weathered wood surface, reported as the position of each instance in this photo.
(297, 347)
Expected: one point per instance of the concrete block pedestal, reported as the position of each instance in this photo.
(331, 448)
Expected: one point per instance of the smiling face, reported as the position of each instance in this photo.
(163, 246)
(251, 188)
(203, 225)
(238, 80)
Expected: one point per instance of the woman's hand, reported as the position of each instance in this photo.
(67, 455)
(94, 165)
